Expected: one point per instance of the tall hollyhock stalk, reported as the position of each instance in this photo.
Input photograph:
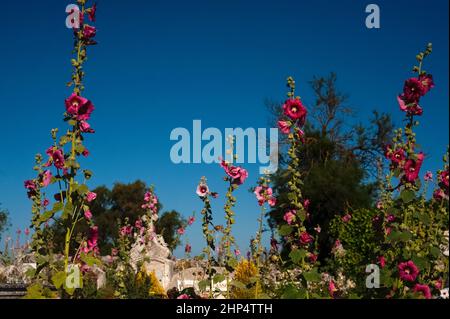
(413, 226)
(62, 168)
(298, 240)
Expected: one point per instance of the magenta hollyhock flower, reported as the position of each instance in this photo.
(88, 214)
(412, 168)
(191, 220)
(187, 249)
(306, 204)
(29, 184)
(423, 289)
(237, 252)
(93, 238)
(346, 218)
(413, 90)
(45, 202)
(89, 31)
(313, 257)
(284, 127)
(294, 109)
(91, 196)
(438, 194)
(27, 231)
(412, 108)
(91, 12)
(382, 261)
(180, 231)
(74, 102)
(331, 288)
(202, 190)
(46, 178)
(305, 238)
(238, 174)
(408, 271)
(58, 159)
(428, 176)
(289, 216)
(183, 296)
(444, 178)
(85, 152)
(427, 82)
(85, 127)
(272, 201)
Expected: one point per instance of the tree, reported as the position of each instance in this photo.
(114, 205)
(4, 220)
(338, 160)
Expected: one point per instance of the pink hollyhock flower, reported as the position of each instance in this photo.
(388, 230)
(444, 178)
(424, 289)
(56, 156)
(284, 127)
(411, 108)
(390, 218)
(180, 231)
(29, 184)
(428, 176)
(412, 168)
(27, 231)
(46, 178)
(289, 217)
(74, 102)
(202, 190)
(91, 12)
(191, 220)
(408, 271)
(183, 296)
(438, 284)
(259, 192)
(427, 82)
(88, 214)
(294, 109)
(346, 218)
(85, 152)
(93, 238)
(398, 156)
(305, 238)
(89, 31)
(272, 201)
(438, 194)
(313, 257)
(382, 261)
(45, 202)
(187, 249)
(126, 230)
(91, 196)
(306, 204)
(331, 288)
(238, 174)
(85, 127)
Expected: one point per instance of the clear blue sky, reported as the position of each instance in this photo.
(161, 64)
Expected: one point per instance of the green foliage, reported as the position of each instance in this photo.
(4, 220)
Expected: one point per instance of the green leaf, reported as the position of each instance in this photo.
(425, 218)
(68, 210)
(407, 195)
(285, 230)
(435, 252)
(296, 255)
(202, 285)
(312, 276)
(291, 292)
(90, 260)
(58, 279)
(82, 189)
(238, 284)
(218, 278)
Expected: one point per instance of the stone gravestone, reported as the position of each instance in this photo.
(151, 251)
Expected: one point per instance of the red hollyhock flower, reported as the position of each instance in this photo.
(305, 238)
(294, 109)
(413, 90)
(444, 178)
(412, 168)
(91, 12)
(89, 31)
(408, 271)
(424, 289)
(427, 82)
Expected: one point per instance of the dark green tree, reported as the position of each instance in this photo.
(4, 220)
(338, 160)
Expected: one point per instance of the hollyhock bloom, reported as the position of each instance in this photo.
(444, 178)
(390, 218)
(191, 220)
(424, 289)
(438, 284)
(85, 152)
(46, 178)
(412, 168)
(183, 296)
(74, 102)
(93, 238)
(45, 202)
(238, 174)
(85, 127)
(180, 231)
(382, 261)
(413, 90)
(27, 231)
(187, 249)
(284, 127)
(439, 194)
(91, 12)
(91, 196)
(305, 238)
(411, 108)
(89, 31)
(272, 201)
(29, 184)
(237, 252)
(408, 271)
(313, 257)
(202, 190)
(331, 288)
(428, 176)
(289, 217)
(427, 82)
(88, 214)
(56, 156)
(126, 230)
(294, 109)
(444, 293)
(306, 204)
(346, 218)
